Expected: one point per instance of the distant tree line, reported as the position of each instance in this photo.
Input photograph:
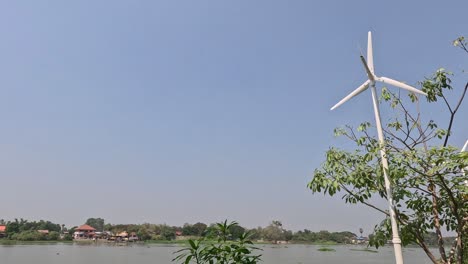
(28, 231)
(271, 233)
(25, 230)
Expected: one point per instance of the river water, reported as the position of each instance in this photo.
(154, 254)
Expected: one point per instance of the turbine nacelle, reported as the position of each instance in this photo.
(372, 78)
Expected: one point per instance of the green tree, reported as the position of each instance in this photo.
(46, 225)
(256, 233)
(236, 232)
(324, 235)
(188, 230)
(97, 223)
(71, 231)
(144, 232)
(305, 235)
(27, 230)
(68, 237)
(13, 227)
(54, 235)
(167, 232)
(211, 231)
(426, 173)
(107, 227)
(199, 228)
(30, 235)
(274, 232)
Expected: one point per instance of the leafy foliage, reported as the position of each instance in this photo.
(97, 223)
(274, 232)
(18, 226)
(427, 175)
(24, 230)
(225, 251)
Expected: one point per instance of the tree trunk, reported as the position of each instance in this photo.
(429, 254)
(420, 242)
(459, 249)
(435, 212)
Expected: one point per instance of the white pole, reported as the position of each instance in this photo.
(466, 168)
(395, 236)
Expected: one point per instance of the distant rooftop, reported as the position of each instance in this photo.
(85, 228)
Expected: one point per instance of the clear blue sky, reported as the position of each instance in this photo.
(185, 111)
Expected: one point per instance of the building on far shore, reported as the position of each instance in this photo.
(133, 237)
(360, 240)
(2, 231)
(84, 232)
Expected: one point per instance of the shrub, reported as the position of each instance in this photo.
(223, 251)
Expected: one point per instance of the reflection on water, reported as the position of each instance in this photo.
(145, 254)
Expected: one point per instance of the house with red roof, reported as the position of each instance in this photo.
(2, 231)
(84, 232)
(45, 232)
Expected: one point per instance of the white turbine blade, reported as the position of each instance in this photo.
(464, 147)
(359, 90)
(370, 75)
(370, 53)
(400, 85)
(466, 168)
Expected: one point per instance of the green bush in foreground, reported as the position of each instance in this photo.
(223, 251)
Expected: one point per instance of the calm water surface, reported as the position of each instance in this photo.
(145, 254)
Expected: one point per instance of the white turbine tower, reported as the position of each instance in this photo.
(372, 78)
(466, 168)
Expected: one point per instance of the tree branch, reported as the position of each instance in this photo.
(364, 202)
(452, 116)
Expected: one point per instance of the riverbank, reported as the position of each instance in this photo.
(170, 242)
(38, 242)
(185, 241)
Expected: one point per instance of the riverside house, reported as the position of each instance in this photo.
(2, 231)
(84, 232)
(45, 232)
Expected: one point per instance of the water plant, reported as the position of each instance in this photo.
(326, 249)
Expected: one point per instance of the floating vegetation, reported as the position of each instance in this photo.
(326, 249)
(365, 250)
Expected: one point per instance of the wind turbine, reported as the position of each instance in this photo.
(372, 79)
